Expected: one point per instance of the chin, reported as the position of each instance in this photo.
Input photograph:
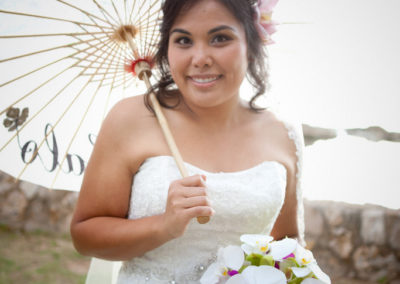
(207, 100)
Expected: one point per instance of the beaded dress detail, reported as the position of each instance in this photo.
(245, 202)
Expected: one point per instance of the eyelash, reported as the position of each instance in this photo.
(224, 38)
(180, 39)
(217, 39)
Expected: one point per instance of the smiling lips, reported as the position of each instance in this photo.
(204, 80)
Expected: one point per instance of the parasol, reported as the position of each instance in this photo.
(65, 65)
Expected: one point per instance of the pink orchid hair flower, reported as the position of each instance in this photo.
(264, 24)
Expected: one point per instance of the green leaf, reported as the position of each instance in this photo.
(267, 260)
(285, 265)
(254, 259)
(242, 268)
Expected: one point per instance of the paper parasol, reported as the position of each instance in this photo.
(63, 67)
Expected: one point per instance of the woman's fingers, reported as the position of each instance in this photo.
(194, 191)
(185, 203)
(200, 211)
(195, 201)
(192, 181)
(187, 199)
(188, 187)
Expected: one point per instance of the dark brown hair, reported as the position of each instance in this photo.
(244, 12)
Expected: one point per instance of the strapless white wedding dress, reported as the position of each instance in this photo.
(246, 202)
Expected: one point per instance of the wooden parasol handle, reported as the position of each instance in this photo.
(143, 75)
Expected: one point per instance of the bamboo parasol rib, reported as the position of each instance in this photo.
(43, 107)
(52, 18)
(109, 42)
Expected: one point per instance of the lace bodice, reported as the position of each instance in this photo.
(247, 201)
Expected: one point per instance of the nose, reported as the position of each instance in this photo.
(202, 57)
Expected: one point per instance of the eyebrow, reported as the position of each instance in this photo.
(219, 28)
(179, 31)
(214, 30)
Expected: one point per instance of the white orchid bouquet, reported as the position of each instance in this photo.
(262, 260)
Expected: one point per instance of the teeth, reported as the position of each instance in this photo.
(204, 80)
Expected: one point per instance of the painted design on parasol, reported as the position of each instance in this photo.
(15, 118)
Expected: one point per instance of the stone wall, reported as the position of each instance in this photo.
(354, 241)
(28, 207)
(349, 241)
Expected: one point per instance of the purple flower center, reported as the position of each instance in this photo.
(290, 255)
(232, 272)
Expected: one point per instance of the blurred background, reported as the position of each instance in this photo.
(335, 69)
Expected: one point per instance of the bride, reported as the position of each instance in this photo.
(244, 162)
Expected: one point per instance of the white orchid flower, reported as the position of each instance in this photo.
(303, 256)
(283, 248)
(229, 260)
(267, 262)
(258, 275)
(258, 244)
(309, 265)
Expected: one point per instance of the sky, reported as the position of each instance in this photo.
(339, 66)
(354, 170)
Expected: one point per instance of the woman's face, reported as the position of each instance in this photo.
(207, 54)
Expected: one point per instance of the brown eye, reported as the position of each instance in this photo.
(220, 38)
(184, 41)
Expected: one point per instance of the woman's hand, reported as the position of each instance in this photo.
(187, 199)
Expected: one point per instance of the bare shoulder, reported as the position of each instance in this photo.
(279, 134)
(124, 119)
(128, 113)
(113, 162)
(115, 159)
(125, 128)
(273, 126)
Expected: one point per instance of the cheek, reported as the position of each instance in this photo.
(170, 57)
(175, 61)
(236, 61)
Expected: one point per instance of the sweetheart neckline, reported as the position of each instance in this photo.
(221, 172)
